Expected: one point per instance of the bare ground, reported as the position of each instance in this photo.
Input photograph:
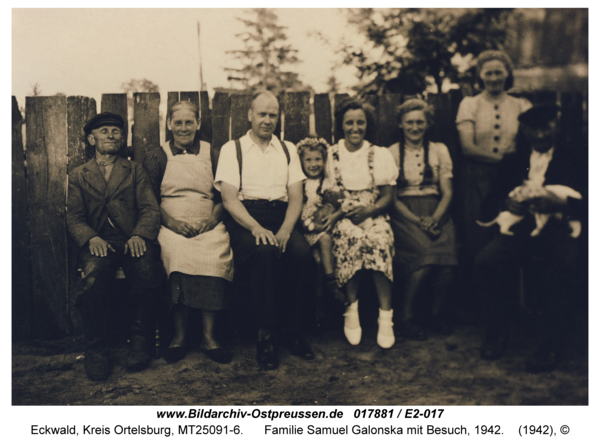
(440, 371)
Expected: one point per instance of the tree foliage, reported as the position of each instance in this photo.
(266, 57)
(409, 49)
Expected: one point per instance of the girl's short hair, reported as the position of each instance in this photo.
(488, 55)
(183, 104)
(355, 104)
(416, 104)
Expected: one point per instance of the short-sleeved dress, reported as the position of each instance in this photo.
(414, 248)
(360, 173)
(313, 202)
(496, 126)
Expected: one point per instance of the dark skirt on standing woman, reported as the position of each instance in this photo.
(414, 249)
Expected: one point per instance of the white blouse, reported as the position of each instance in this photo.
(439, 160)
(354, 167)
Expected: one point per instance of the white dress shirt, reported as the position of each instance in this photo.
(266, 174)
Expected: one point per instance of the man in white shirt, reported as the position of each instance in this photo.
(261, 182)
(549, 260)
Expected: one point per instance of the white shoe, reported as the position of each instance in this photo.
(352, 328)
(385, 334)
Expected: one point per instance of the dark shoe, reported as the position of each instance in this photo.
(298, 347)
(139, 354)
(219, 355)
(493, 347)
(545, 359)
(441, 325)
(97, 365)
(412, 330)
(265, 354)
(174, 354)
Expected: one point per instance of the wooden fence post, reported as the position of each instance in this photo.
(21, 267)
(337, 135)
(220, 120)
(323, 117)
(444, 129)
(205, 117)
(117, 103)
(240, 104)
(387, 125)
(46, 193)
(296, 115)
(79, 110)
(146, 121)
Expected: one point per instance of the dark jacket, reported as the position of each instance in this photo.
(568, 167)
(127, 198)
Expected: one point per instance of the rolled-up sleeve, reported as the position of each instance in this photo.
(445, 161)
(385, 170)
(466, 110)
(228, 169)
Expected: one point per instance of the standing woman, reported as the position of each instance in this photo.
(487, 125)
(423, 231)
(367, 176)
(194, 243)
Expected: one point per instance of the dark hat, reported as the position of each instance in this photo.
(104, 118)
(539, 115)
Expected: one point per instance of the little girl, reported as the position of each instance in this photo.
(313, 153)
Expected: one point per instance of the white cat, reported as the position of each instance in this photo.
(507, 219)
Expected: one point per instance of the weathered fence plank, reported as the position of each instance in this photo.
(323, 117)
(117, 103)
(387, 124)
(22, 304)
(296, 116)
(240, 104)
(172, 97)
(220, 119)
(205, 118)
(46, 192)
(444, 129)
(146, 132)
(79, 110)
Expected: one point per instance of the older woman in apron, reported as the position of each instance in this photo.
(193, 239)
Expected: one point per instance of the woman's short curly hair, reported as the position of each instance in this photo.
(416, 104)
(355, 104)
(488, 55)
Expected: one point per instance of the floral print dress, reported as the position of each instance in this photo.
(355, 248)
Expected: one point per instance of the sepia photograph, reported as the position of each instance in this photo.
(300, 207)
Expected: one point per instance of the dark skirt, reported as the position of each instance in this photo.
(200, 292)
(414, 249)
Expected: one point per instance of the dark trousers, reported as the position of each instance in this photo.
(549, 263)
(281, 285)
(96, 300)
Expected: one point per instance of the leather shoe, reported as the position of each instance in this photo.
(265, 354)
(298, 347)
(493, 347)
(545, 359)
(97, 365)
(219, 355)
(174, 354)
(410, 329)
(139, 354)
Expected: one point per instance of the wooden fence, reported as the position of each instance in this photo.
(43, 254)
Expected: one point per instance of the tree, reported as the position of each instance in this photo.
(409, 49)
(266, 56)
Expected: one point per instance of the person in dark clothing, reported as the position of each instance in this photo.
(113, 216)
(549, 259)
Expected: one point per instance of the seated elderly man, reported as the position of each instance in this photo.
(113, 216)
(549, 258)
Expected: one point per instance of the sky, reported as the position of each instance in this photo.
(93, 51)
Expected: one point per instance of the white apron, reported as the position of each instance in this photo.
(186, 195)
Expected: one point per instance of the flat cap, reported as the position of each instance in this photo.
(539, 115)
(102, 119)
